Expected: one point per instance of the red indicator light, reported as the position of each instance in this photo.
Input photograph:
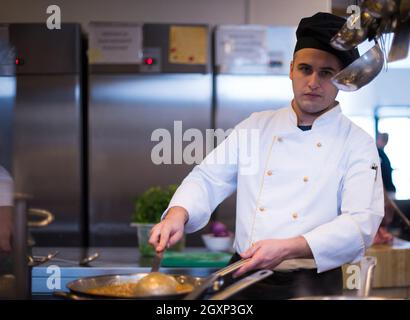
(149, 61)
(19, 61)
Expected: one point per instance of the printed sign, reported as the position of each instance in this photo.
(115, 43)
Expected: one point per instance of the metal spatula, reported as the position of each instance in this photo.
(156, 263)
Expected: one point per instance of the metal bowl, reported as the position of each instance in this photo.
(361, 71)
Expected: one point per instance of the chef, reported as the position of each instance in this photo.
(316, 198)
(6, 203)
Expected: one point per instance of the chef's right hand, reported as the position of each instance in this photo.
(170, 230)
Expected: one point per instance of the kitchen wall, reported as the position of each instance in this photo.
(279, 12)
(389, 88)
(392, 87)
(274, 12)
(284, 12)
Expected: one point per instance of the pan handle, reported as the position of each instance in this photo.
(210, 281)
(231, 268)
(242, 284)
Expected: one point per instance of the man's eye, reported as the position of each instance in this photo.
(326, 74)
(304, 69)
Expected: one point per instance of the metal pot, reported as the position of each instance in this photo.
(43, 218)
(349, 37)
(361, 71)
(367, 266)
(380, 8)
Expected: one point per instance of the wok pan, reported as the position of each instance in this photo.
(90, 287)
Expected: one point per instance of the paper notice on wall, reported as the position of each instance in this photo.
(241, 46)
(115, 43)
(188, 45)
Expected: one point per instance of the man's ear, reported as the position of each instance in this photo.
(291, 71)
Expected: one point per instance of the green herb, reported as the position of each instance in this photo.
(149, 207)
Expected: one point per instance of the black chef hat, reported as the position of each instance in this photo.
(316, 32)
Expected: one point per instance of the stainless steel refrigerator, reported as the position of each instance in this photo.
(251, 75)
(127, 103)
(7, 96)
(47, 157)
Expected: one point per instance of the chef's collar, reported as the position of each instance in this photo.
(324, 118)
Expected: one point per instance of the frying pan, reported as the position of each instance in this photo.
(83, 287)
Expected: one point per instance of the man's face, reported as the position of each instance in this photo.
(310, 72)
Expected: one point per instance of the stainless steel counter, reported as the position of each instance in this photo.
(54, 274)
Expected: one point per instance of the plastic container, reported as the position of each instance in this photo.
(143, 233)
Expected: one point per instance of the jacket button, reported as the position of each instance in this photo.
(318, 144)
(295, 215)
(305, 179)
(269, 172)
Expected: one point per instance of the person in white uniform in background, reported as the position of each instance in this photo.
(6, 204)
(317, 193)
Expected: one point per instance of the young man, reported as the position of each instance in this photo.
(6, 203)
(317, 193)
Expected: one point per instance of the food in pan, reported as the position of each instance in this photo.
(153, 284)
(156, 283)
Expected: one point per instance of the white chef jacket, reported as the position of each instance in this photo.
(323, 184)
(6, 188)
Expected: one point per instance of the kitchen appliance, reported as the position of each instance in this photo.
(128, 102)
(47, 157)
(7, 96)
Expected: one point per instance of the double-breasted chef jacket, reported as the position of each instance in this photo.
(323, 184)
